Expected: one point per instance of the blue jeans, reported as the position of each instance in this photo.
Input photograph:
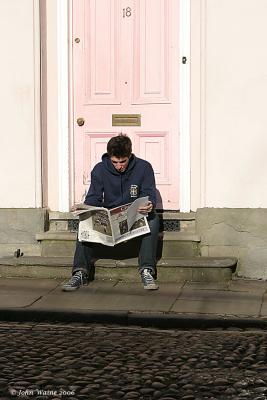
(147, 252)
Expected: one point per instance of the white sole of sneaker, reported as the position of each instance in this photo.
(69, 289)
(151, 287)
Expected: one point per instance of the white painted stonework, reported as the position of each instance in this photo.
(20, 150)
(229, 96)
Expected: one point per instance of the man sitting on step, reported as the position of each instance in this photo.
(112, 181)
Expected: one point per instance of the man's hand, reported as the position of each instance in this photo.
(77, 207)
(146, 208)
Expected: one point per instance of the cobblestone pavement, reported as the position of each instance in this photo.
(51, 361)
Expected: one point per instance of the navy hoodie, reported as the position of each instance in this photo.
(110, 188)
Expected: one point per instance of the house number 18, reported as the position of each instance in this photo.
(127, 12)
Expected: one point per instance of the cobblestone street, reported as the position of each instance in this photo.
(45, 361)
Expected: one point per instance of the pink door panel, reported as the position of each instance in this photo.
(101, 52)
(126, 61)
(151, 52)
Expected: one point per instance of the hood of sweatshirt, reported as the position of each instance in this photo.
(111, 188)
(111, 169)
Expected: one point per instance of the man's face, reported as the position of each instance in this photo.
(120, 163)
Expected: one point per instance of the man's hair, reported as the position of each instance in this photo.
(119, 146)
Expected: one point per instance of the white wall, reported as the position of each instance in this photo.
(233, 124)
(31, 167)
(19, 104)
(228, 104)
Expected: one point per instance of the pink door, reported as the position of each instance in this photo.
(126, 74)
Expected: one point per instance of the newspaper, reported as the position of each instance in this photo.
(110, 227)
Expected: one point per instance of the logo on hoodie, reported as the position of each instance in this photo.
(134, 191)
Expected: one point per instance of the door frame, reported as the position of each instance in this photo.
(185, 142)
(65, 130)
(66, 109)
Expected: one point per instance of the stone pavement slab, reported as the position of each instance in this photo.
(240, 300)
(112, 296)
(24, 292)
(221, 302)
(248, 285)
(207, 285)
(263, 311)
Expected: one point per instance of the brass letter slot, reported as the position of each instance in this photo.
(126, 119)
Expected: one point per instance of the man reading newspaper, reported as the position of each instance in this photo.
(120, 178)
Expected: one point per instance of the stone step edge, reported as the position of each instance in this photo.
(175, 215)
(71, 236)
(176, 262)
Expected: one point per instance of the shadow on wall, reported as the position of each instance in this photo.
(159, 208)
(159, 205)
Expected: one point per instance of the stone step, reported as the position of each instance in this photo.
(170, 244)
(30, 249)
(176, 269)
(170, 220)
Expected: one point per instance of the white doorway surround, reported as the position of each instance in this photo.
(63, 104)
(185, 161)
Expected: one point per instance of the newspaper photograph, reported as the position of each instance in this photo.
(110, 227)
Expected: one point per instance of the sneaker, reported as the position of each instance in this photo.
(76, 281)
(148, 280)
